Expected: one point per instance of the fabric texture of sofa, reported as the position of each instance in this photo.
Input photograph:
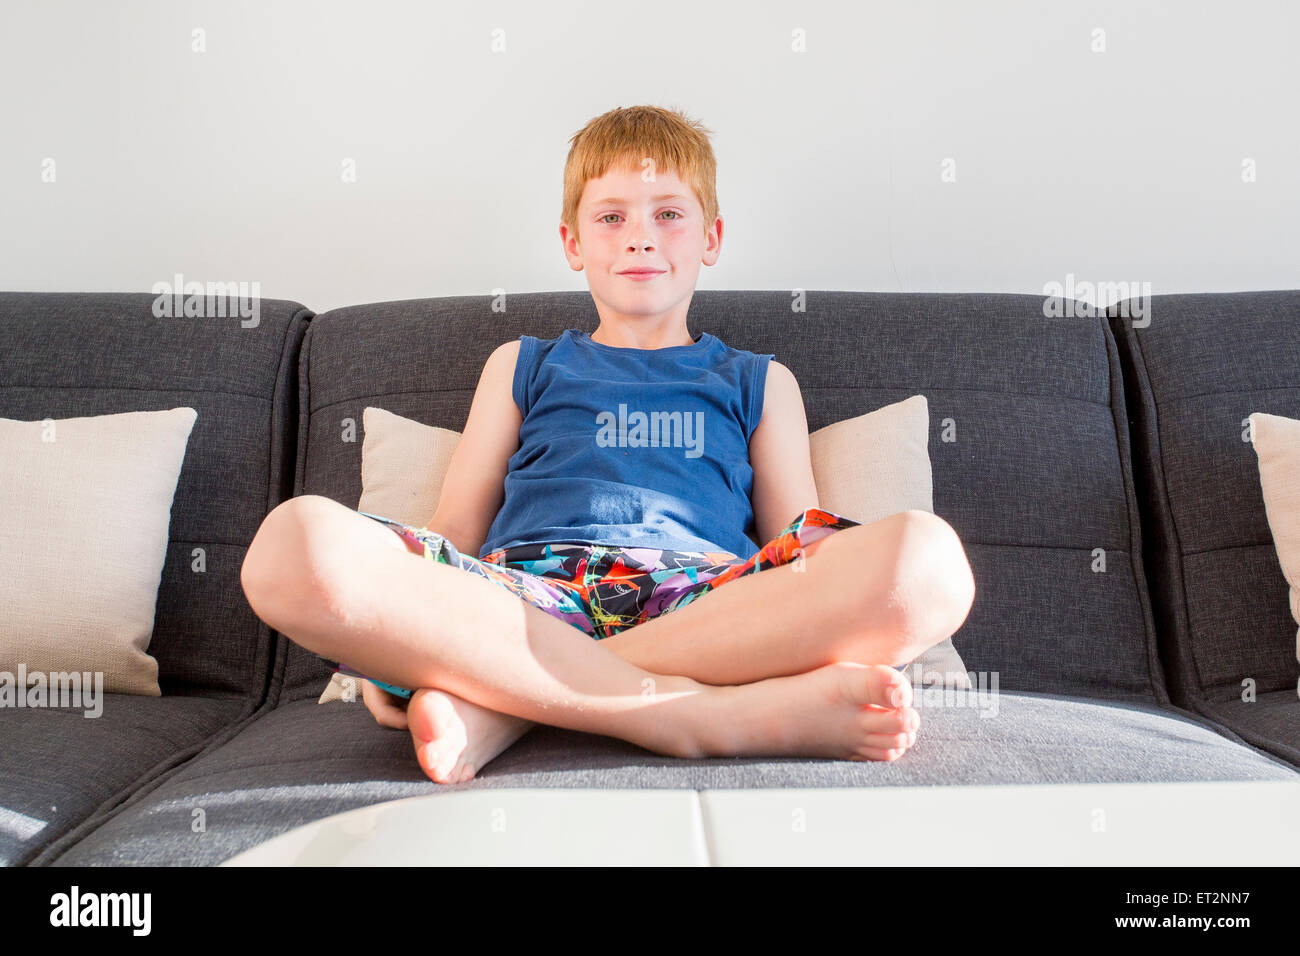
(1128, 598)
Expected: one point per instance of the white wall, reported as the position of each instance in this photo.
(1122, 165)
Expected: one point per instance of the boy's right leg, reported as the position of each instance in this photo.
(327, 578)
(330, 580)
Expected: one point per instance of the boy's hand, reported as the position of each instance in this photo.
(384, 706)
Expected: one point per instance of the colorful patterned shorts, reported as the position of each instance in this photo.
(604, 589)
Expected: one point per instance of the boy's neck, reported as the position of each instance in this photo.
(629, 336)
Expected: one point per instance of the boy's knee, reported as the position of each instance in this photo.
(287, 548)
(935, 571)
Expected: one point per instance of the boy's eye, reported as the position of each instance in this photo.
(673, 212)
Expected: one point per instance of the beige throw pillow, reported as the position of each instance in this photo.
(403, 464)
(876, 465)
(83, 538)
(865, 468)
(1277, 444)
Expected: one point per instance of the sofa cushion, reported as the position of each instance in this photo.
(1277, 444)
(1029, 465)
(403, 466)
(1196, 368)
(1270, 721)
(64, 355)
(82, 540)
(251, 790)
(60, 768)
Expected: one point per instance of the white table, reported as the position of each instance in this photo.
(1175, 824)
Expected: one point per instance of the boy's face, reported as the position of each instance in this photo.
(625, 223)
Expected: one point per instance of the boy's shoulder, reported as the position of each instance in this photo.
(508, 349)
(536, 343)
(739, 351)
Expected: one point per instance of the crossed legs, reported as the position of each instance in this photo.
(786, 661)
(880, 593)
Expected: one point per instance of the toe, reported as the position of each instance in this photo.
(880, 685)
(897, 689)
(877, 753)
(438, 763)
(429, 756)
(886, 742)
(874, 720)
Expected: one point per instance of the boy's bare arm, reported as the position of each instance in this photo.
(780, 456)
(475, 484)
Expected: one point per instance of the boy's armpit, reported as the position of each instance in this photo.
(474, 488)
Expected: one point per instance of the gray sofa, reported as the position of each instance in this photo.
(1050, 438)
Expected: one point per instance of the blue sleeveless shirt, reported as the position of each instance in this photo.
(632, 447)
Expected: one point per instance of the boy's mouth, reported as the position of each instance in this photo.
(641, 274)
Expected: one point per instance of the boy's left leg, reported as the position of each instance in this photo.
(876, 593)
(880, 593)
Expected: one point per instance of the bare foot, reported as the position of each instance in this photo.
(455, 738)
(844, 711)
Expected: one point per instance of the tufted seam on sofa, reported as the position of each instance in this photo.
(1178, 655)
(1137, 564)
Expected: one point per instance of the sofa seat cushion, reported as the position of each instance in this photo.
(1270, 722)
(303, 761)
(58, 767)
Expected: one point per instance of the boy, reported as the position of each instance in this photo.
(601, 536)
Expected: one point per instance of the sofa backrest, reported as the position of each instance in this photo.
(66, 355)
(1194, 374)
(1030, 457)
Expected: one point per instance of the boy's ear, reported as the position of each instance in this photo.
(572, 250)
(713, 243)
